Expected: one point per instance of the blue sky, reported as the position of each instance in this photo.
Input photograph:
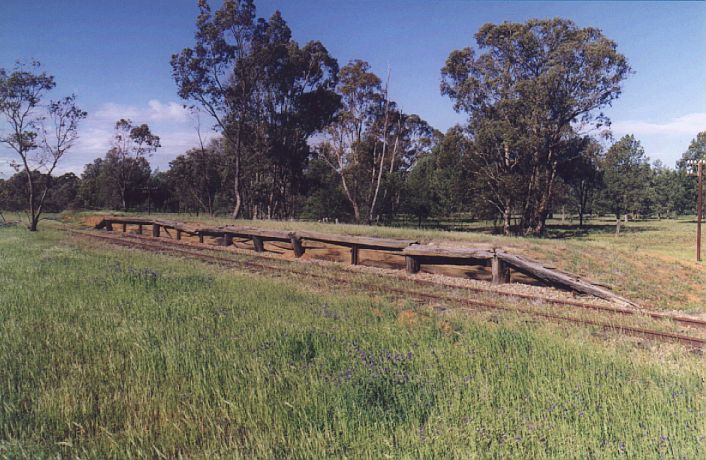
(115, 56)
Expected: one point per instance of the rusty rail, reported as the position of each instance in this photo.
(178, 249)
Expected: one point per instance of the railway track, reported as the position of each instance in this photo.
(197, 251)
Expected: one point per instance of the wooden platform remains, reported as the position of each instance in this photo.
(499, 260)
(258, 236)
(356, 243)
(559, 278)
(417, 254)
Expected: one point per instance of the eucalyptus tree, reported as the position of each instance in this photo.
(626, 174)
(582, 174)
(217, 75)
(294, 99)
(529, 89)
(40, 132)
(265, 94)
(196, 177)
(344, 148)
(398, 141)
(126, 164)
(370, 140)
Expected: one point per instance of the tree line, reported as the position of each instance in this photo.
(297, 136)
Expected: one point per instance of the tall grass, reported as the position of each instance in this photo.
(652, 262)
(110, 354)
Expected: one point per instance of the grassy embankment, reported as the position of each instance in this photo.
(652, 261)
(109, 353)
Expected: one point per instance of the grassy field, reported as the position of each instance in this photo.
(652, 261)
(109, 353)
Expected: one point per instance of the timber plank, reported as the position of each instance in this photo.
(481, 253)
(361, 242)
(559, 278)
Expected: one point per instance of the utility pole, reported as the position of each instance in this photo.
(699, 164)
(149, 191)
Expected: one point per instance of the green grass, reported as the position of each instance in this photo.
(652, 262)
(107, 353)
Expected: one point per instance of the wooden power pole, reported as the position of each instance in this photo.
(149, 191)
(699, 164)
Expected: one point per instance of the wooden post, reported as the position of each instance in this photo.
(178, 234)
(109, 225)
(124, 228)
(354, 254)
(227, 239)
(297, 246)
(155, 230)
(413, 265)
(699, 208)
(139, 229)
(258, 243)
(501, 272)
(201, 238)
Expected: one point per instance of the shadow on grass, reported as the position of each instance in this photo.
(554, 231)
(574, 231)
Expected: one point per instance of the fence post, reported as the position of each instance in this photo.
(155, 230)
(297, 245)
(501, 272)
(413, 265)
(354, 254)
(258, 243)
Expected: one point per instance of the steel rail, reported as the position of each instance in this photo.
(177, 248)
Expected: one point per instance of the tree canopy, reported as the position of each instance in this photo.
(529, 90)
(40, 131)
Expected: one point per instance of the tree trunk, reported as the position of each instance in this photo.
(30, 186)
(617, 225)
(354, 204)
(236, 190)
(123, 199)
(542, 211)
(507, 216)
(236, 183)
(373, 203)
(529, 208)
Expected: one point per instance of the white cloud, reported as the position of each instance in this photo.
(664, 140)
(173, 123)
(114, 112)
(171, 111)
(691, 124)
(155, 111)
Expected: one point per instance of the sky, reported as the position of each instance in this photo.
(115, 57)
